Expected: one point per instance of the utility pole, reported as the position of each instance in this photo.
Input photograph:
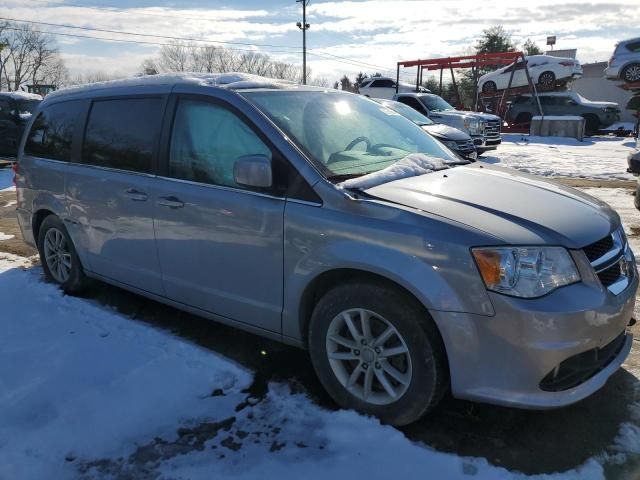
(304, 26)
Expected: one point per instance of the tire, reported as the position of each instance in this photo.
(422, 366)
(489, 87)
(547, 79)
(591, 125)
(636, 199)
(631, 73)
(53, 229)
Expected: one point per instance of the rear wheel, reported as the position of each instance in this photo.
(631, 73)
(489, 87)
(547, 79)
(376, 350)
(58, 256)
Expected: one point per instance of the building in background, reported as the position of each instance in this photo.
(594, 86)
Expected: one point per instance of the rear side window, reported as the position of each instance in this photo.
(52, 131)
(122, 133)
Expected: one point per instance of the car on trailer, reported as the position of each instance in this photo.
(544, 70)
(624, 64)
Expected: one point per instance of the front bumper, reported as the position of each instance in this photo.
(504, 359)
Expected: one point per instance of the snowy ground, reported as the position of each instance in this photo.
(600, 158)
(86, 392)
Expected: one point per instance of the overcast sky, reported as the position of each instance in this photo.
(372, 32)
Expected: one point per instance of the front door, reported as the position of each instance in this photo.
(220, 245)
(109, 191)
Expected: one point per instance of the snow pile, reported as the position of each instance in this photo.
(4, 236)
(78, 381)
(412, 165)
(599, 158)
(232, 80)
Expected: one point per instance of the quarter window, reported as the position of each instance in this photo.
(206, 141)
(52, 131)
(121, 133)
(634, 47)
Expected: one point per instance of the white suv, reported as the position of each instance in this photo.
(385, 87)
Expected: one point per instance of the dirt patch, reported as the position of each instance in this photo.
(586, 183)
(9, 228)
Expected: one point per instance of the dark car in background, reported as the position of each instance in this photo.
(597, 115)
(15, 111)
(457, 140)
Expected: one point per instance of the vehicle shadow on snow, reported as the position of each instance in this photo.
(531, 442)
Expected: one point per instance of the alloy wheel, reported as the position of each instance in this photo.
(547, 79)
(57, 255)
(632, 73)
(368, 356)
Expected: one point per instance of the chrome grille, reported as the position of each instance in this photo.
(612, 261)
(465, 146)
(492, 129)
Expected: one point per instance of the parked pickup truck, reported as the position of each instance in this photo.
(15, 111)
(597, 115)
(483, 128)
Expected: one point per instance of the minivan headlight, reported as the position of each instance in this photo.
(526, 272)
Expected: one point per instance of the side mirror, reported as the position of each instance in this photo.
(253, 171)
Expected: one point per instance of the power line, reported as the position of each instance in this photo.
(117, 9)
(143, 42)
(317, 52)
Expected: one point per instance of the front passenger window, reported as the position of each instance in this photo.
(205, 142)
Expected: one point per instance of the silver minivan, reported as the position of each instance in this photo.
(327, 221)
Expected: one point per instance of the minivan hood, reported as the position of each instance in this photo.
(515, 208)
(446, 132)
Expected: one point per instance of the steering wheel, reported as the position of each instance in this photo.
(358, 140)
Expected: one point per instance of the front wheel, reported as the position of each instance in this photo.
(489, 87)
(376, 350)
(547, 79)
(58, 256)
(631, 73)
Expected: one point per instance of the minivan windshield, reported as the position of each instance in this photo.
(435, 103)
(408, 112)
(345, 135)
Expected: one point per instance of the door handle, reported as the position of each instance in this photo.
(171, 202)
(136, 195)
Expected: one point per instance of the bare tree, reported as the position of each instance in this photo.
(27, 55)
(181, 57)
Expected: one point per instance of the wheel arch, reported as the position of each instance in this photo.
(38, 218)
(328, 279)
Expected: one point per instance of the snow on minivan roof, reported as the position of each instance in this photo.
(232, 81)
